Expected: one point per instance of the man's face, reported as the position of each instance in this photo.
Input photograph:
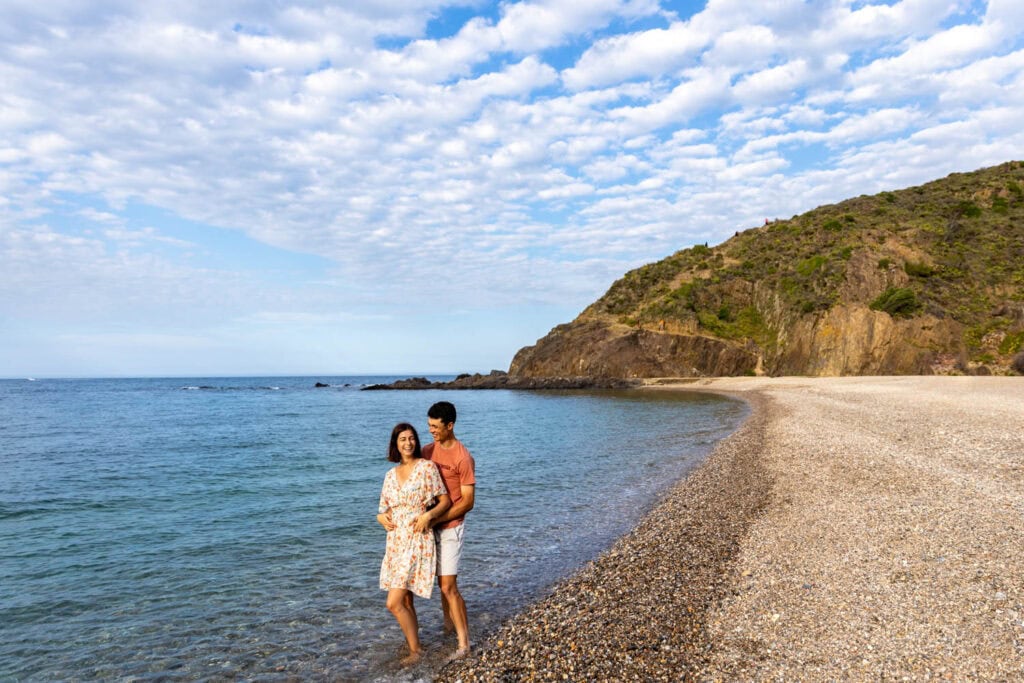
(441, 431)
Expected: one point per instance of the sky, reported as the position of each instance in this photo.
(423, 186)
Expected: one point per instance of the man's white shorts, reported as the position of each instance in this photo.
(449, 549)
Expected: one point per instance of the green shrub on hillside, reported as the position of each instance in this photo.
(677, 304)
(969, 209)
(899, 302)
(710, 322)
(918, 269)
(1012, 343)
(746, 323)
(808, 266)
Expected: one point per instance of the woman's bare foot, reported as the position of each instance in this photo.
(412, 658)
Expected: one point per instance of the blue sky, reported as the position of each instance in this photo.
(419, 186)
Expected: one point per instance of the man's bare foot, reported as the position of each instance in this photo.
(459, 654)
(413, 658)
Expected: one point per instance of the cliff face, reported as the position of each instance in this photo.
(596, 349)
(920, 281)
(854, 340)
(850, 340)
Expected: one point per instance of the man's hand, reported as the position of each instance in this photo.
(464, 505)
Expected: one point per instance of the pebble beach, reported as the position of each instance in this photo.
(858, 528)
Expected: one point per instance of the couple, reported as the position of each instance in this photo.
(422, 506)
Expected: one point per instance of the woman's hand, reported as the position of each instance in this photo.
(434, 514)
(423, 522)
(385, 521)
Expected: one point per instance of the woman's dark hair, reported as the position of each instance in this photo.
(393, 454)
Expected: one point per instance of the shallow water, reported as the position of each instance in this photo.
(222, 529)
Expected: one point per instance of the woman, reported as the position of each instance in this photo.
(412, 498)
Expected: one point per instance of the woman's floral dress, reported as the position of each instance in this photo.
(409, 557)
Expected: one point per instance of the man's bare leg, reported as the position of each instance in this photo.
(449, 625)
(455, 610)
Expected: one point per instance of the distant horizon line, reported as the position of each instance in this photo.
(36, 378)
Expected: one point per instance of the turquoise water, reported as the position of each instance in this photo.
(223, 529)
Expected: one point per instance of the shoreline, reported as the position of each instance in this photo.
(595, 625)
(851, 528)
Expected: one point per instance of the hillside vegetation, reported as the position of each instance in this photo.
(924, 279)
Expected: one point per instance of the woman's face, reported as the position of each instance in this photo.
(406, 443)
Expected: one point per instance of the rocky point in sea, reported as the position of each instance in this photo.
(498, 379)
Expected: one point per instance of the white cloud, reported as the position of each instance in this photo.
(995, 79)
(105, 217)
(1008, 14)
(746, 47)
(772, 84)
(873, 125)
(648, 54)
(950, 48)
(871, 23)
(528, 26)
(702, 90)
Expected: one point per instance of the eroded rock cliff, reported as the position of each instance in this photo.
(597, 349)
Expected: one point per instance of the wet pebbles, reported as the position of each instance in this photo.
(856, 529)
(639, 612)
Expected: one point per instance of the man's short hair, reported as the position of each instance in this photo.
(442, 410)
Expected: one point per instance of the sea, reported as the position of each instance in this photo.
(223, 529)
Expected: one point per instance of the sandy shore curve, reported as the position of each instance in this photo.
(857, 528)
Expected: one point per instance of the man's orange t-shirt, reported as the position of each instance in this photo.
(457, 469)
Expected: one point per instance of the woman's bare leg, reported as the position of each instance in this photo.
(400, 604)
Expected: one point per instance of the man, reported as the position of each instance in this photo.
(457, 470)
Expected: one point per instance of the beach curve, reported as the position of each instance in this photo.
(858, 528)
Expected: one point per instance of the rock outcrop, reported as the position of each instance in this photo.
(854, 340)
(597, 349)
(498, 379)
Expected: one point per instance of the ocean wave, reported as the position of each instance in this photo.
(207, 387)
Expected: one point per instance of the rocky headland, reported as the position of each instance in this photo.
(925, 280)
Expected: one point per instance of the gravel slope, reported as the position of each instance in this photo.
(894, 545)
(851, 529)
